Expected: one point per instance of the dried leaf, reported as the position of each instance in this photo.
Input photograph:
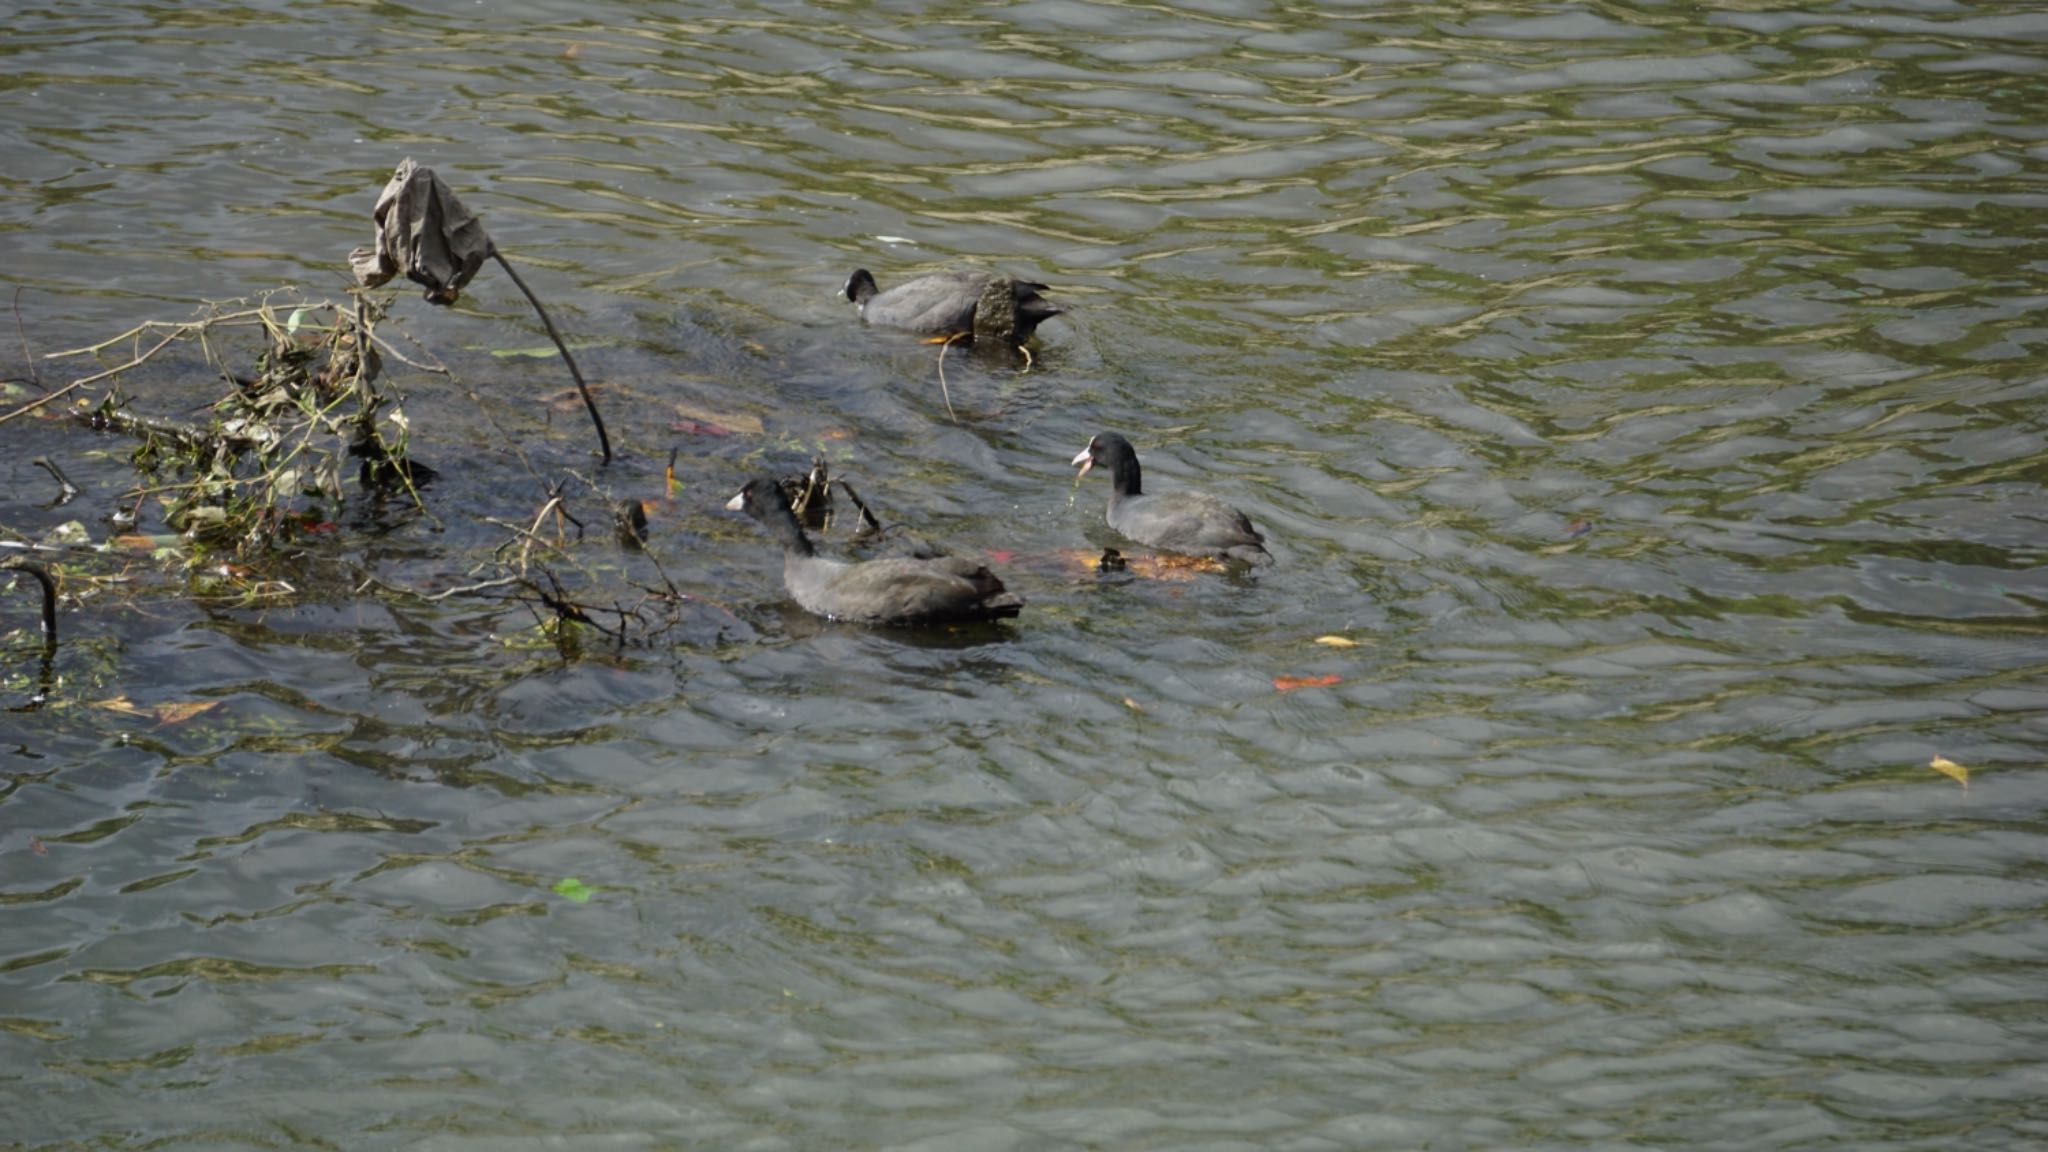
(1133, 705)
(175, 712)
(1578, 528)
(1290, 683)
(1165, 566)
(699, 428)
(1952, 770)
(740, 422)
(179, 711)
(36, 845)
(1336, 642)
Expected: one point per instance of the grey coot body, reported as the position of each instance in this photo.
(893, 591)
(954, 304)
(1192, 523)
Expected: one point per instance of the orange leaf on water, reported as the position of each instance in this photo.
(1290, 683)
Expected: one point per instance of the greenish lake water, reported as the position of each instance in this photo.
(1653, 393)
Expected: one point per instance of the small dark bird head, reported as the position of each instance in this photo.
(1116, 454)
(859, 286)
(764, 500)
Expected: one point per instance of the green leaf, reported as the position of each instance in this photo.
(297, 318)
(575, 889)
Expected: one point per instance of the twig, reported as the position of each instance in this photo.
(603, 441)
(32, 405)
(27, 357)
(944, 392)
(467, 589)
(504, 436)
(42, 576)
(392, 351)
(66, 490)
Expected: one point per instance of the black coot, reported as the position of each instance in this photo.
(1193, 523)
(893, 591)
(976, 305)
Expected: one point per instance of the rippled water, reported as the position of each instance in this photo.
(1653, 392)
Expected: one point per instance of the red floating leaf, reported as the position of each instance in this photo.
(1290, 683)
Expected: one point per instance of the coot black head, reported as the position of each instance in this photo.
(859, 286)
(764, 500)
(1114, 453)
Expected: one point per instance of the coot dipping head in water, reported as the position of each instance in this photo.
(944, 589)
(951, 304)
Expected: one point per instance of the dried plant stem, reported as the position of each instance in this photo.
(75, 385)
(945, 393)
(604, 442)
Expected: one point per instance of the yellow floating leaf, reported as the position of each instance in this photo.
(179, 711)
(1133, 705)
(1336, 642)
(1951, 769)
(123, 705)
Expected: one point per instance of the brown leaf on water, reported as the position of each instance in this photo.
(572, 51)
(1165, 566)
(179, 711)
(36, 845)
(1290, 683)
(1168, 566)
(739, 422)
(1952, 770)
(172, 712)
(698, 428)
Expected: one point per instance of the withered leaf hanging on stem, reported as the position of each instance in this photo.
(424, 232)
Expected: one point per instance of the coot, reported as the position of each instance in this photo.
(892, 591)
(977, 305)
(1193, 523)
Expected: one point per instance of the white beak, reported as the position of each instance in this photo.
(1084, 460)
(738, 503)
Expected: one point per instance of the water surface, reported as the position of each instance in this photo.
(1652, 392)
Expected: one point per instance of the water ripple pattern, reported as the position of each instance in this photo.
(1651, 394)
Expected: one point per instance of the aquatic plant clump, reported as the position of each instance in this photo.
(275, 444)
